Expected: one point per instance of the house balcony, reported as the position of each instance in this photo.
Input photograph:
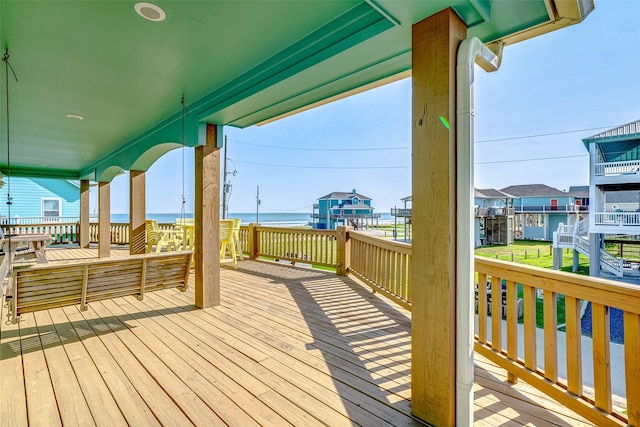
(616, 173)
(484, 212)
(346, 216)
(304, 346)
(405, 213)
(542, 209)
(615, 222)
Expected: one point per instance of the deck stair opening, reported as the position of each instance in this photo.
(576, 237)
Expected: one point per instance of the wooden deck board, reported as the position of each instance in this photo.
(286, 346)
(74, 410)
(13, 405)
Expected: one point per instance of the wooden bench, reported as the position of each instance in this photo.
(60, 284)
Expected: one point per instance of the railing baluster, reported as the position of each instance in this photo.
(632, 367)
(512, 326)
(496, 313)
(601, 356)
(574, 345)
(530, 347)
(550, 336)
(482, 307)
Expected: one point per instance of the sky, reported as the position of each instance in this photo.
(530, 118)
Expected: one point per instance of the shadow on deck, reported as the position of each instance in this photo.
(287, 345)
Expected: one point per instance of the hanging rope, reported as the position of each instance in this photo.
(185, 112)
(7, 67)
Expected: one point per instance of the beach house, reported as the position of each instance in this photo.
(35, 200)
(493, 217)
(539, 209)
(614, 203)
(340, 208)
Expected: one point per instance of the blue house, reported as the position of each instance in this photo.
(39, 199)
(539, 209)
(340, 208)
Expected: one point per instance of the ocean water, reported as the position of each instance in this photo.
(267, 218)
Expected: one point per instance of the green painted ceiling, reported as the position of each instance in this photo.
(237, 63)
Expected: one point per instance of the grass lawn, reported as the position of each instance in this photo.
(533, 252)
(539, 254)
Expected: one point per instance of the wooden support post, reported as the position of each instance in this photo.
(137, 212)
(83, 238)
(104, 220)
(435, 43)
(343, 251)
(207, 221)
(253, 241)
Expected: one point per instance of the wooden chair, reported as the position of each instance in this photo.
(161, 238)
(227, 243)
(236, 237)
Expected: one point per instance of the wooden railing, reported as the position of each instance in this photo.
(60, 232)
(316, 247)
(603, 295)
(382, 264)
(119, 233)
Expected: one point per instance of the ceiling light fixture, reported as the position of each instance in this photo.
(74, 116)
(150, 11)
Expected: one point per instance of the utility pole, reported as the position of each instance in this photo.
(225, 187)
(257, 203)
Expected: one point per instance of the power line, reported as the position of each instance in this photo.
(279, 147)
(532, 160)
(543, 134)
(321, 149)
(323, 167)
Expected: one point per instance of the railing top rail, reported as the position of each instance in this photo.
(404, 248)
(607, 292)
(297, 230)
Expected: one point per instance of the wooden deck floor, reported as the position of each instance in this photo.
(287, 346)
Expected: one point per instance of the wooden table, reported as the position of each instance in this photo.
(188, 234)
(9, 244)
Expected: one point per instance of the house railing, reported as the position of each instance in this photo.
(550, 208)
(382, 264)
(60, 232)
(626, 167)
(400, 212)
(38, 220)
(604, 296)
(301, 245)
(345, 215)
(617, 218)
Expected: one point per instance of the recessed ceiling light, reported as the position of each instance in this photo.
(150, 11)
(74, 116)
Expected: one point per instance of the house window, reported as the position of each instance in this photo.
(51, 209)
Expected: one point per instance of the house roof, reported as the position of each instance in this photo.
(490, 193)
(343, 195)
(101, 88)
(579, 190)
(533, 190)
(625, 132)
